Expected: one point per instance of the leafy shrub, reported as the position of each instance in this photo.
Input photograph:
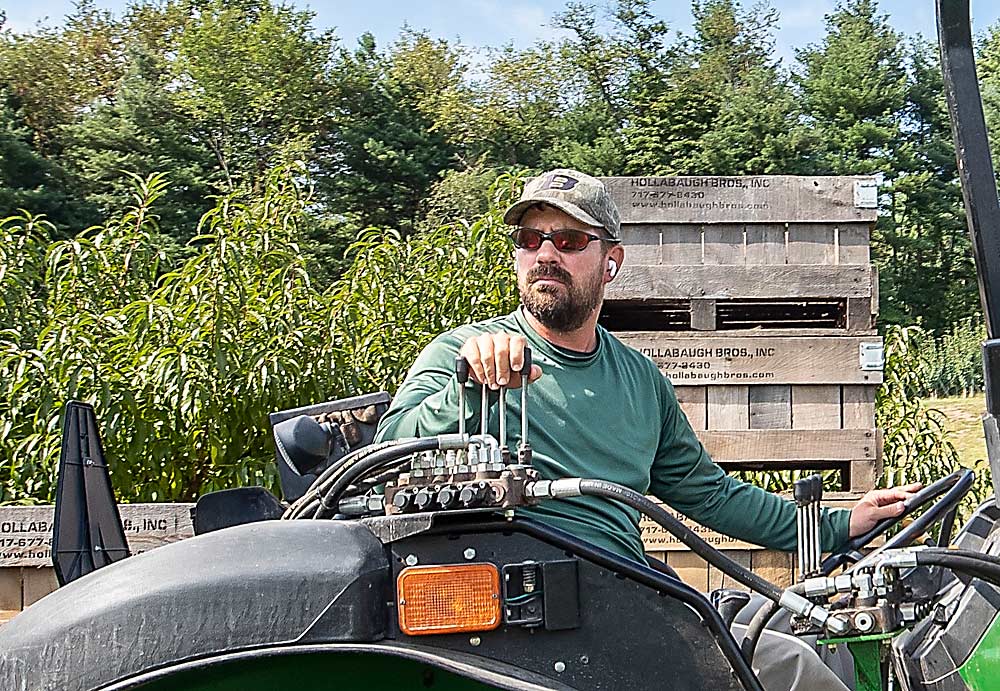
(952, 362)
(183, 364)
(917, 448)
(402, 292)
(182, 367)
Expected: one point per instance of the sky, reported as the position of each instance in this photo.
(494, 23)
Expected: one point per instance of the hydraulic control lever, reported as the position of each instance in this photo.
(462, 375)
(478, 474)
(808, 495)
(524, 450)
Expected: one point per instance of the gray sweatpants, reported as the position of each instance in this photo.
(784, 662)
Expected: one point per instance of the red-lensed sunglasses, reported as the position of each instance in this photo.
(564, 239)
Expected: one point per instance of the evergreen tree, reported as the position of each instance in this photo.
(988, 63)
(922, 245)
(381, 155)
(854, 88)
(33, 182)
(142, 131)
(720, 104)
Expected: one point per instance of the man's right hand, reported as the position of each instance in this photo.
(496, 359)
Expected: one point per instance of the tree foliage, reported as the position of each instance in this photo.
(180, 186)
(183, 366)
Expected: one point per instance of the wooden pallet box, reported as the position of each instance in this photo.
(745, 252)
(757, 298)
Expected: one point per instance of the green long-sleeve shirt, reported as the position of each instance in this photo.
(610, 415)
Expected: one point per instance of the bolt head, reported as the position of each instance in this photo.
(475, 641)
(559, 666)
(469, 553)
(411, 560)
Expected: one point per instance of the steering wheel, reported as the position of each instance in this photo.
(954, 487)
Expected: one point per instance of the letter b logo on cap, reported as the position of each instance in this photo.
(559, 182)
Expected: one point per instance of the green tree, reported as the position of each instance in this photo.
(253, 79)
(720, 104)
(988, 63)
(54, 74)
(143, 130)
(382, 153)
(854, 89)
(922, 245)
(29, 180)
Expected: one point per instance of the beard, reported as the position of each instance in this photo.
(562, 308)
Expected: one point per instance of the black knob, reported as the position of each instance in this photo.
(817, 487)
(447, 497)
(472, 495)
(423, 499)
(801, 491)
(461, 369)
(402, 500)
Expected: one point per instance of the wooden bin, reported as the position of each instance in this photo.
(756, 296)
(26, 572)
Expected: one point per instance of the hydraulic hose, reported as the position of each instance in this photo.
(311, 497)
(759, 621)
(349, 473)
(983, 566)
(610, 490)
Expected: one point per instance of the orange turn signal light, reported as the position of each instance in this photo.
(448, 599)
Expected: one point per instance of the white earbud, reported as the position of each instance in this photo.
(612, 267)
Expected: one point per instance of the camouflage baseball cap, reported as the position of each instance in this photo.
(582, 196)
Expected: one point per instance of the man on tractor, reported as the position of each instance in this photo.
(599, 408)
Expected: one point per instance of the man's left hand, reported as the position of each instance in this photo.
(879, 504)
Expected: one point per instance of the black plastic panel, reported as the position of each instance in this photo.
(87, 531)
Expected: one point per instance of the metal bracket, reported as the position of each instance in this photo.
(866, 194)
(871, 357)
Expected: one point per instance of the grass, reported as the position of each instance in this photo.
(965, 427)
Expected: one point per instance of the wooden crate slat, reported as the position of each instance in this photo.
(27, 530)
(813, 316)
(774, 566)
(789, 444)
(751, 359)
(858, 406)
(859, 314)
(875, 294)
(38, 582)
(679, 245)
(694, 402)
(771, 407)
(691, 568)
(728, 407)
(637, 282)
(765, 243)
(854, 243)
(724, 244)
(643, 243)
(812, 243)
(11, 590)
(817, 407)
(703, 314)
(738, 199)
